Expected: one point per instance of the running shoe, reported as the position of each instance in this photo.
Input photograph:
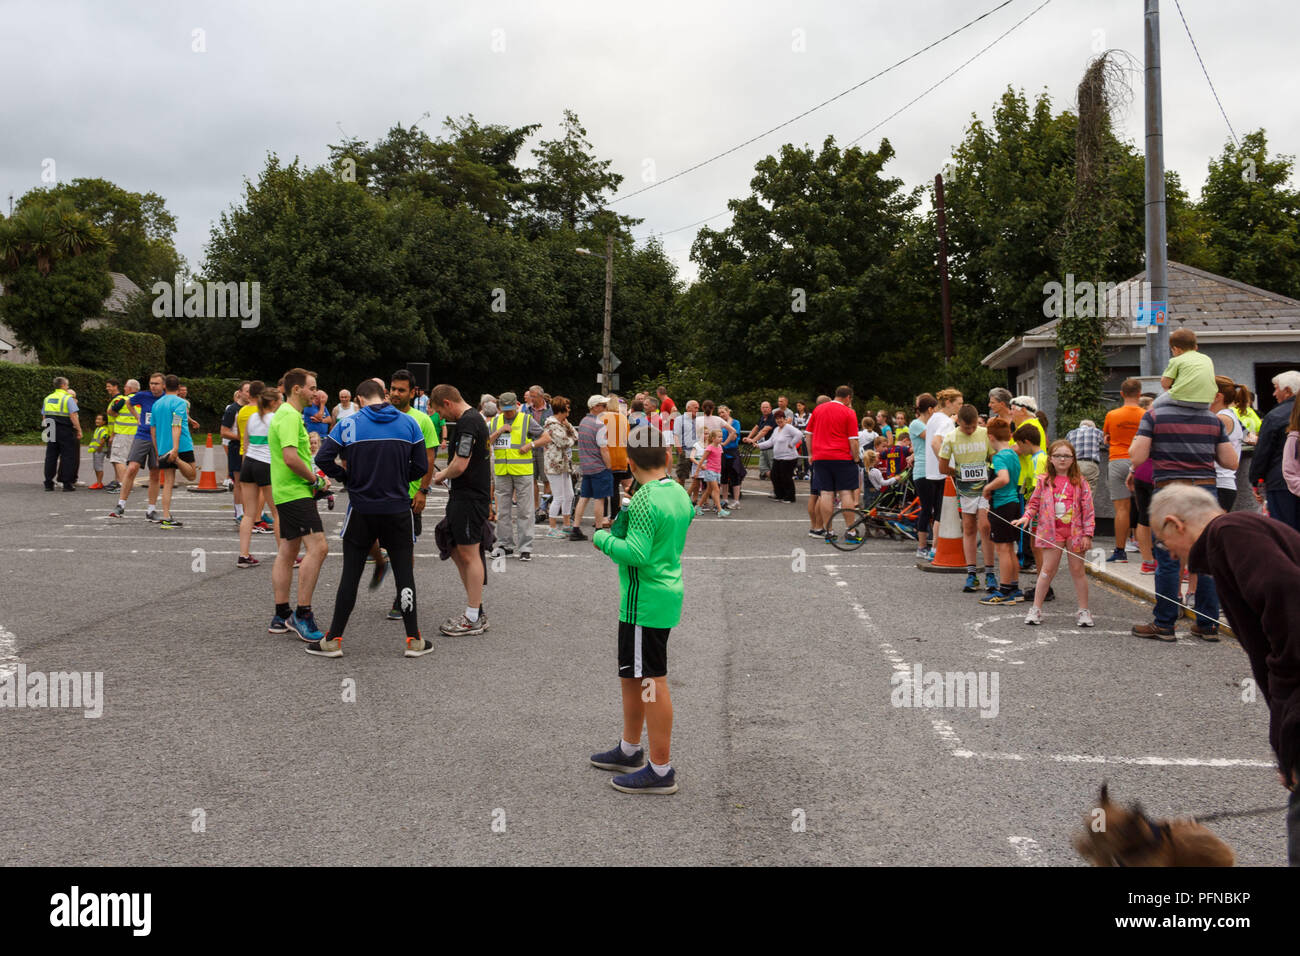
(97, 486)
(990, 582)
(153, 516)
(170, 523)
(617, 760)
(698, 512)
(329, 502)
(525, 555)
(972, 583)
(830, 537)
(647, 781)
(113, 486)
(278, 625)
(816, 533)
(326, 647)
(577, 534)
(930, 555)
(297, 562)
(1131, 546)
(852, 537)
(261, 527)
(922, 554)
(266, 519)
(377, 576)
(394, 613)
(1118, 557)
(246, 561)
(1004, 597)
(724, 513)
(1148, 567)
(117, 512)
(305, 627)
(1035, 616)
(417, 647)
(462, 626)
(1083, 618)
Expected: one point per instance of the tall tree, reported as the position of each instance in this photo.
(570, 184)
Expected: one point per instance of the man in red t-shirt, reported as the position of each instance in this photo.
(666, 405)
(834, 454)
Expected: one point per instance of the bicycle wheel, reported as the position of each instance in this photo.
(848, 528)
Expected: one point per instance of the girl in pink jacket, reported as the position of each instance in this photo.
(1062, 502)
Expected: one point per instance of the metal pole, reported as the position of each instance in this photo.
(943, 269)
(1157, 348)
(606, 371)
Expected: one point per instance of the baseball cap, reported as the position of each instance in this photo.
(597, 400)
(507, 401)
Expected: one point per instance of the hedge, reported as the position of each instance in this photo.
(125, 354)
(25, 388)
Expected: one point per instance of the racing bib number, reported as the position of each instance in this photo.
(977, 472)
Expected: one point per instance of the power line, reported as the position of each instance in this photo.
(950, 75)
(1179, 7)
(812, 109)
(901, 109)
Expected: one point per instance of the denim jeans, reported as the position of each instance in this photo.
(1167, 589)
(1284, 506)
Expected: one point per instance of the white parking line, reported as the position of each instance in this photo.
(8, 652)
(10, 464)
(1027, 848)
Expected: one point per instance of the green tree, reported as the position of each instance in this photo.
(569, 185)
(1251, 216)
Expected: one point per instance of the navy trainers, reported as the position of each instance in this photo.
(646, 780)
(990, 582)
(305, 627)
(616, 760)
(278, 625)
(1118, 557)
(972, 583)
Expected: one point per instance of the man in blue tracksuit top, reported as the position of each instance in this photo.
(383, 452)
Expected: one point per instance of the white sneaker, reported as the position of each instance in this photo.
(1084, 618)
(922, 554)
(1035, 616)
(1131, 546)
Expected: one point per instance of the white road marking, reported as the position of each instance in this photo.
(8, 652)
(1027, 848)
(10, 464)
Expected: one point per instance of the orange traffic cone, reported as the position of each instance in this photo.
(208, 476)
(949, 556)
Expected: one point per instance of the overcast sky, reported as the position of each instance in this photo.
(116, 90)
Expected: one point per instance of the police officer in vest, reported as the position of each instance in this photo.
(62, 432)
(513, 438)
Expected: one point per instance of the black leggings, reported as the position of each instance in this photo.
(783, 479)
(931, 495)
(402, 566)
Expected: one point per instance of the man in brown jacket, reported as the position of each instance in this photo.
(1256, 565)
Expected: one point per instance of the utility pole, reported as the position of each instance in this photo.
(605, 363)
(1157, 347)
(943, 269)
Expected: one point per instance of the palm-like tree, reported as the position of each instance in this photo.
(46, 233)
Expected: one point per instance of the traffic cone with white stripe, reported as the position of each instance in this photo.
(949, 554)
(208, 476)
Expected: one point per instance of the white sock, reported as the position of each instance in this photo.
(239, 512)
(661, 770)
(121, 503)
(628, 749)
(471, 615)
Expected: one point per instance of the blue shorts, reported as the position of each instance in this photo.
(835, 475)
(599, 485)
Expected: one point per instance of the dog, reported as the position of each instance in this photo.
(1115, 836)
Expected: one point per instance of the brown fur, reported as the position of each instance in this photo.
(1132, 839)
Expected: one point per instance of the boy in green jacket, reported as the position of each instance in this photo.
(647, 547)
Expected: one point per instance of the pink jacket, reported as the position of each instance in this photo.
(1085, 517)
(1291, 462)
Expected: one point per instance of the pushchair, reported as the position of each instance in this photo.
(896, 509)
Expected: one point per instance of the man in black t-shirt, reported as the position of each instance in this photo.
(469, 477)
(230, 437)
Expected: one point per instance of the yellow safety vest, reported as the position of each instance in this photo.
(56, 404)
(122, 422)
(507, 451)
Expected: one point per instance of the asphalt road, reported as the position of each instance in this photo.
(781, 680)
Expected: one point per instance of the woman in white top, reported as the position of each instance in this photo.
(557, 458)
(784, 442)
(255, 476)
(1225, 479)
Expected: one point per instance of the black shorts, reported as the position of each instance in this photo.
(465, 518)
(642, 651)
(185, 456)
(233, 458)
(1142, 494)
(394, 532)
(835, 475)
(1000, 528)
(255, 472)
(298, 518)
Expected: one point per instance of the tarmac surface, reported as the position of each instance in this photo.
(221, 744)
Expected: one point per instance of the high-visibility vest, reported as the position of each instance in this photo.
(509, 458)
(122, 421)
(56, 404)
